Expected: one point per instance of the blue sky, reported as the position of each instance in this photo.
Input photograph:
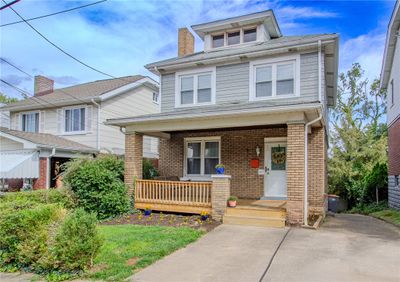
(119, 37)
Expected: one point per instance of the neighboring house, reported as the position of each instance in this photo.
(255, 101)
(77, 113)
(34, 158)
(390, 80)
(4, 117)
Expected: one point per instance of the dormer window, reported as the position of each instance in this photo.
(218, 40)
(249, 35)
(234, 37)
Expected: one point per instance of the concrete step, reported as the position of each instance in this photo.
(254, 220)
(254, 211)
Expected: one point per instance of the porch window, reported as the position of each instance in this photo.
(30, 122)
(74, 120)
(202, 155)
(195, 89)
(273, 80)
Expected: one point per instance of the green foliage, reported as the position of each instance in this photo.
(358, 138)
(77, 241)
(149, 170)
(6, 99)
(98, 185)
(369, 208)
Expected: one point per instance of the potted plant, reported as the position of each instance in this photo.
(220, 169)
(147, 210)
(204, 215)
(232, 201)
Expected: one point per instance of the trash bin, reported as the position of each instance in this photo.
(333, 203)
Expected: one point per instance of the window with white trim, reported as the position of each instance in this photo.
(74, 119)
(392, 91)
(234, 37)
(156, 96)
(195, 89)
(202, 155)
(30, 122)
(274, 79)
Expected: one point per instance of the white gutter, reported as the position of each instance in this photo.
(98, 123)
(319, 70)
(48, 174)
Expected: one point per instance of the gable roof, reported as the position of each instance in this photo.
(45, 140)
(392, 36)
(83, 93)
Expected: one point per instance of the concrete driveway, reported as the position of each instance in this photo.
(346, 248)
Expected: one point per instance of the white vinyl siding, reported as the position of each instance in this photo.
(201, 155)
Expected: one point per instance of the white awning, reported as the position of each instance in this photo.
(19, 164)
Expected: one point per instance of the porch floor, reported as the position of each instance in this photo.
(262, 204)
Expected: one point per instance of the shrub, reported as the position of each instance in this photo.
(149, 170)
(98, 185)
(77, 241)
(63, 197)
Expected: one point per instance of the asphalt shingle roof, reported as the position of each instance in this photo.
(48, 140)
(74, 94)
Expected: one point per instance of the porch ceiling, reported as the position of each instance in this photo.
(160, 125)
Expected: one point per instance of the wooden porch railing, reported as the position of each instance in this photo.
(174, 196)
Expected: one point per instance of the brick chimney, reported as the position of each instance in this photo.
(185, 42)
(43, 85)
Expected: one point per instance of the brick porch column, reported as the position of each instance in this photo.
(220, 191)
(295, 172)
(133, 158)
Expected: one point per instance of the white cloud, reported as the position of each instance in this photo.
(290, 12)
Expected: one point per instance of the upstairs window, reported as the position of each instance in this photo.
(155, 97)
(30, 122)
(218, 41)
(249, 35)
(392, 92)
(274, 79)
(233, 38)
(74, 120)
(195, 89)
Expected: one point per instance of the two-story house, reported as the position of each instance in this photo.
(390, 80)
(253, 100)
(71, 120)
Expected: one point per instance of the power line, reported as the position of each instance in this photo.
(53, 14)
(57, 47)
(14, 66)
(8, 4)
(23, 92)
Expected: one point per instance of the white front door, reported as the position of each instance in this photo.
(275, 170)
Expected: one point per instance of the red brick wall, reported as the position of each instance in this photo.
(238, 147)
(394, 148)
(40, 183)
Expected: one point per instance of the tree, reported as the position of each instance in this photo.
(358, 136)
(6, 99)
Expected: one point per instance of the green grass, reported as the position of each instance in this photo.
(144, 243)
(389, 215)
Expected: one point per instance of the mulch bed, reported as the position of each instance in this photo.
(165, 219)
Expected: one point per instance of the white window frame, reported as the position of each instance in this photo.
(392, 92)
(157, 94)
(241, 42)
(21, 117)
(195, 74)
(201, 140)
(64, 132)
(274, 62)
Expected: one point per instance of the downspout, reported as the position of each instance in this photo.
(98, 124)
(306, 137)
(53, 152)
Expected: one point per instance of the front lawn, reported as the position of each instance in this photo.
(129, 248)
(379, 210)
(390, 215)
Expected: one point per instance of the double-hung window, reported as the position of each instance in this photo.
(74, 119)
(156, 97)
(202, 155)
(195, 89)
(30, 122)
(274, 80)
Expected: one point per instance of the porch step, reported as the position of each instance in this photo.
(254, 220)
(256, 211)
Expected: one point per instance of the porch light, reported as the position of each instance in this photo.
(258, 150)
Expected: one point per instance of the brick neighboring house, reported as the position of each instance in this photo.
(76, 114)
(390, 80)
(255, 101)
